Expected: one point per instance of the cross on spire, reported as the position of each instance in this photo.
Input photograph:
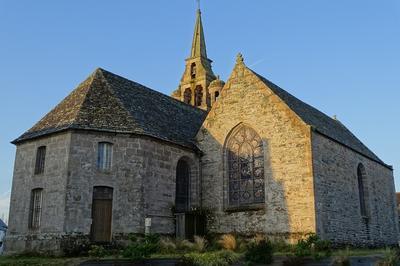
(198, 4)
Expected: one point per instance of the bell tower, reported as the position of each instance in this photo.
(193, 87)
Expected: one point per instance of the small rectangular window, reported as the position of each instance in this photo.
(40, 159)
(104, 156)
(35, 210)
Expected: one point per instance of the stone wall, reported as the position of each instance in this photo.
(142, 176)
(336, 191)
(52, 181)
(288, 210)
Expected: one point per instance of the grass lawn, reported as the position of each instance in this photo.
(26, 260)
(57, 261)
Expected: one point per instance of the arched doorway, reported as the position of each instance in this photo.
(182, 187)
(101, 214)
(188, 222)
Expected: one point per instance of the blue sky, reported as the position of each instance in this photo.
(342, 57)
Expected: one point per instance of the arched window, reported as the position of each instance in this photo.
(104, 156)
(198, 95)
(245, 165)
(216, 95)
(40, 159)
(193, 70)
(362, 192)
(187, 96)
(182, 186)
(35, 209)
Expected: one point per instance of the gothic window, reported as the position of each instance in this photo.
(362, 189)
(193, 71)
(104, 155)
(198, 95)
(245, 162)
(187, 96)
(40, 158)
(35, 209)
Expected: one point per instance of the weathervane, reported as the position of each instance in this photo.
(198, 4)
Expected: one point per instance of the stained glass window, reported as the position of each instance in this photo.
(245, 168)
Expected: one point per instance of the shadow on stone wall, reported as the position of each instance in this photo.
(271, 217)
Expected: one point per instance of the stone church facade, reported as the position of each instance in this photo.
(115, 157)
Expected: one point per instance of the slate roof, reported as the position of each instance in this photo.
(108, 102)
(3, 226)
(322, 123)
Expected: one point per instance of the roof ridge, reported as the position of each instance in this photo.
(88, 80)
(328, 128)
(153, 91)
(122, 105)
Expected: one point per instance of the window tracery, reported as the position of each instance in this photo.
(245, 159)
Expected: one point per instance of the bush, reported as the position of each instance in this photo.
(228, 242)
(167, 245)
(142, 248)
(200, 243)
(313, 246)
(97, 251)
(185, 245)
(217, 258)
(259, 252)
(392, 258)
(282, 246)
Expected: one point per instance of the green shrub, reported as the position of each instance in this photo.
(312, 246)
(97, 251)
(185, 245)
(259, 252)
(281, 246)
(217, 258)
(140, 248)
(392, 258)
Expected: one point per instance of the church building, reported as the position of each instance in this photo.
(242, 156)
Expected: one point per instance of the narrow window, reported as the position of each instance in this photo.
(193, 71)
(187, 96)
(216, 95)
(198, 95)
(35, 210)
(104, 156)
(361, 189)
(40, 159)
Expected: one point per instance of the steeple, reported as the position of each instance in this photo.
(193, 88)
(199, 43)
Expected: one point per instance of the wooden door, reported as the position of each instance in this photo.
(101, 214)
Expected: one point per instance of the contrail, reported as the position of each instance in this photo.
(257, 62)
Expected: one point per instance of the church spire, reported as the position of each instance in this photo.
(193, 88)
(199, 43)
